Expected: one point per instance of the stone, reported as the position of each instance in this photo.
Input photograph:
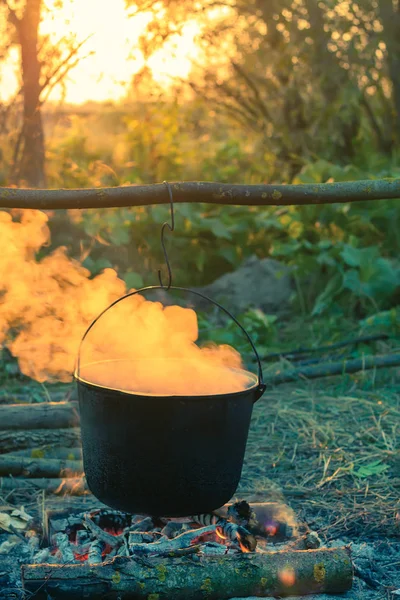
(258, 283)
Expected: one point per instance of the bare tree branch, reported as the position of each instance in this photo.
(11, 14)
(73, 52)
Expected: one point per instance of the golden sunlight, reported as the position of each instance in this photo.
(111, 53)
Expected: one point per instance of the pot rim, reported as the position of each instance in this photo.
(251, 376)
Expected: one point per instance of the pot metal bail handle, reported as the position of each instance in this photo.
(261, 385)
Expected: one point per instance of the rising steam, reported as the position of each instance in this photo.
(46, 305)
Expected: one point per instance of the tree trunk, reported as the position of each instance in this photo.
(30, 168)
(390, 17)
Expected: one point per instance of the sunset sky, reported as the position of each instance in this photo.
(104, 75)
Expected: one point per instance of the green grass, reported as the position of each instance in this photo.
(331, 450)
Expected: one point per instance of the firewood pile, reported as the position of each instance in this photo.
(40, 448)
(74, 547)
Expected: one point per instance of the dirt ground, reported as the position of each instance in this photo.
(329, 449)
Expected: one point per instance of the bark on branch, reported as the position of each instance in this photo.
(39, 438)
(73, 486)
(273, 573)
(39, 467)
(43, 415)
(214, 193)
(329, 369)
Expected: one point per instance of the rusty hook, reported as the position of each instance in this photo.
(171, 227)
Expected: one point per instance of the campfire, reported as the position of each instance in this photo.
(241, 549)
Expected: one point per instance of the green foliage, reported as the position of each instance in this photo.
(374, 468)
(343, 257)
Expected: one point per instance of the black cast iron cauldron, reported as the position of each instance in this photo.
(164, 456)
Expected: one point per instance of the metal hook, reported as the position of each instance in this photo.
(171, 228)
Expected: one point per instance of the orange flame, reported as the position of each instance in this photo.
(243, 547)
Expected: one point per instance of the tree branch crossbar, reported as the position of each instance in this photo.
(202, 191)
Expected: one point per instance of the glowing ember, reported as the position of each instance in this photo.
(288, 576)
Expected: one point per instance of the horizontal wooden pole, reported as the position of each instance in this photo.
(43, 415)
(271, 573)
(202, 191)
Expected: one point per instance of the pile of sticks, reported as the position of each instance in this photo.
(40, 448)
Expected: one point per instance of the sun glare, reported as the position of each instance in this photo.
(112, 55)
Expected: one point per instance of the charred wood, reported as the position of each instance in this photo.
(39, 467)
(43, 415)
(64, 548)
(100, 534)
(95, 552)
(164, 546)
(36, 438)
(183, 578)
(270, 520)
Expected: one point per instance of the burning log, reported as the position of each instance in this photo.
(71, 485)
(95, 552)
(43, 415)
(270, 520)
(64, 548)
(39, 467)
(184, 578)
(15, 440)
(165, 546)
(228, 531)
(101, 535)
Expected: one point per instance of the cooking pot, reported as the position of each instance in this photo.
(164, 455)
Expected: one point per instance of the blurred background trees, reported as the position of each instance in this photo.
(43, 65)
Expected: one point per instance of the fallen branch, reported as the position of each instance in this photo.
(298, 354)
(75, 486)
(329, 369)
(201, 191)
(43, 415)
(37, 438)
(50, 452)
(39, 467)
(273, 573)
